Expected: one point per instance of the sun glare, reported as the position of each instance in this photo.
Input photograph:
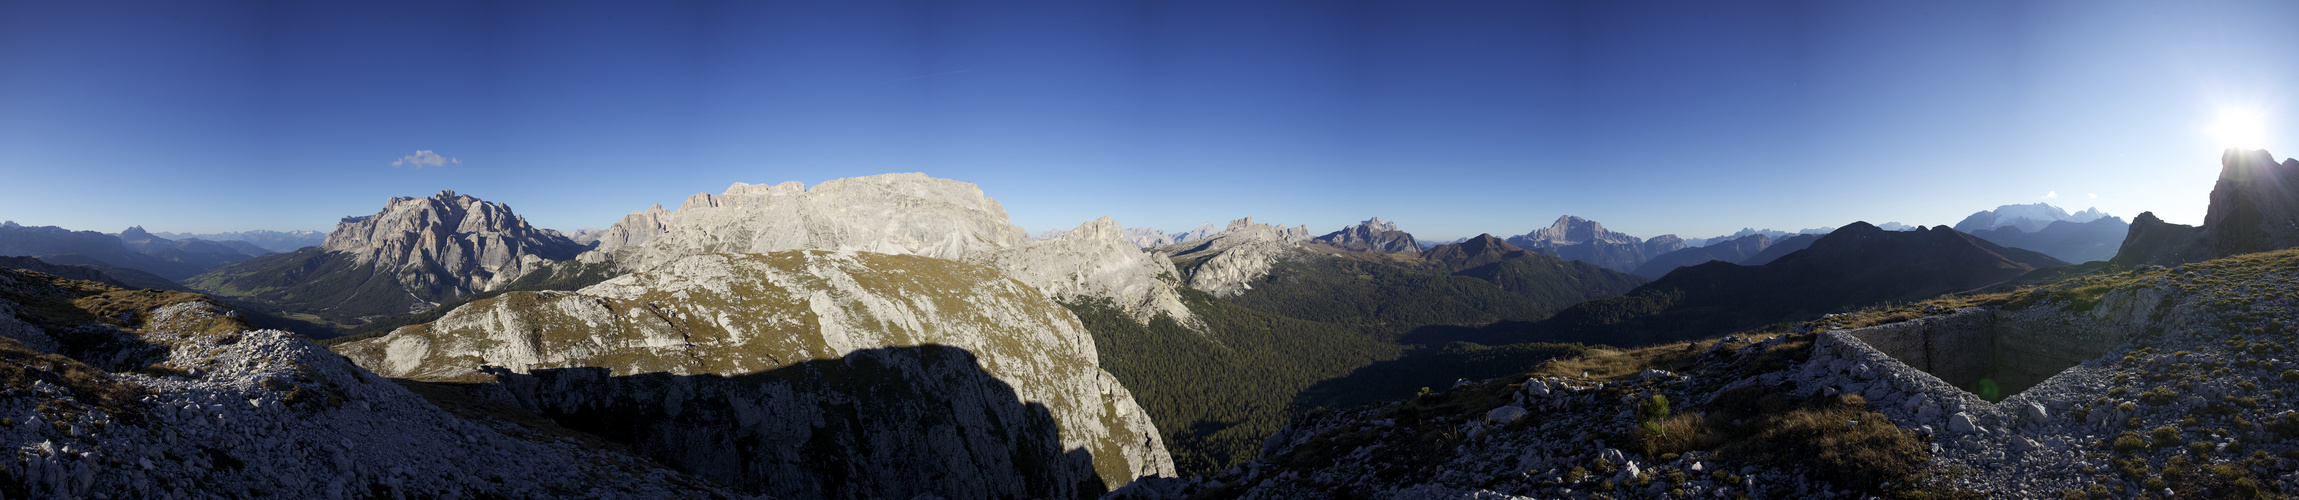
(2239, 128)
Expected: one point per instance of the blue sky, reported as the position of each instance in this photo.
(1451, 118)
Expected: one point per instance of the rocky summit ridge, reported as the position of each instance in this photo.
(1226, 263)
(1373, 235)
(904, 214)
(2254, 208)
(751, 368)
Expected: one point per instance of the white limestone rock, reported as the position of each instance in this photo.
(903, 214)
(479, 243)
(1226, 264)
(946, 333)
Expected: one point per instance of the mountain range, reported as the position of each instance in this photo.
(1855, 266)
(897, 336)
(271, 241)
(1574, 238)
(140, 251)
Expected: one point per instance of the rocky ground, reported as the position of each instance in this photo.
(148, 394)
(2192, 403)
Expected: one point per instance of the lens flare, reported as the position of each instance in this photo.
(2239, 128)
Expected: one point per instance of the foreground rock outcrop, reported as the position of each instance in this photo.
(153, 394)
(809, 374)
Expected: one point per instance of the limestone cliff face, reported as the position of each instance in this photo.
(810, 374)
(157, 394)
(1096, 261)
(903, 214)
(477, 243)
(908, 214)
(1227, 263)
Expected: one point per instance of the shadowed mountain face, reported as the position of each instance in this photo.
(2254, 208)
(818, 429)
(1855, 266)
(1481, 250)
(2064, 240)
(202, 254)
(94, 248)
(1780, 248)
(269, 241)
(2033, 217)
(78, 267)
(1735, 250)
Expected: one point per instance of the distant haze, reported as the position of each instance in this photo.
(1451, 119)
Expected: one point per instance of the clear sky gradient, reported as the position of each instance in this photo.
(1451, 118)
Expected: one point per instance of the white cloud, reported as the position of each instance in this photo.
(2094, 196)
(2050, 195)
(425, 158)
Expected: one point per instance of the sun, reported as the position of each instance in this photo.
(2239, 128)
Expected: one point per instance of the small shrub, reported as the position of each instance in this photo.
(2129, 441)
(2158, 395)
(2165, 436)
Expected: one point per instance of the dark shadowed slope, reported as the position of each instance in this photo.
(1852, 267)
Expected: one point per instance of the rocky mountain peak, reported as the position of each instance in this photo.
(477, 243)
(135, 234)
(1378, 224)
(2254, 208)
(1570, 230)
(1575, 238)
(1374, 235)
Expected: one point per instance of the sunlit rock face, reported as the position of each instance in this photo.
(1227, 263)
(479, 244)
(809, 374)
(1373, 235)
(903, 214)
